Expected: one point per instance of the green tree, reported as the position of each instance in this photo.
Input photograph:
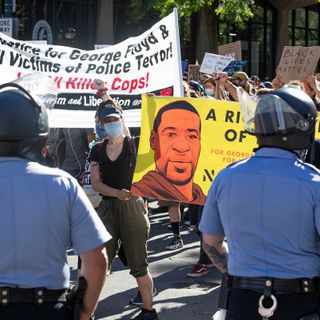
(235, 12)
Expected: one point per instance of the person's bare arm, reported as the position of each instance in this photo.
(312, 82)
(93, 269)
(228, 85)
(217, 251)
(102, 188)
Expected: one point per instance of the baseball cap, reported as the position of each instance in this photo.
(107, 112)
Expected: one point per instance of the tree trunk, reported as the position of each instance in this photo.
(207, 32)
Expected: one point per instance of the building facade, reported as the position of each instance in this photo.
(84, 23)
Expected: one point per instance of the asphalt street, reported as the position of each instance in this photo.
(179, 297)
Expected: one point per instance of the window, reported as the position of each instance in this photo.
(257, 40)
(304, 26)
(72, 22)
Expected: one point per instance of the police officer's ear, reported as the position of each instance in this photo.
(152, 139)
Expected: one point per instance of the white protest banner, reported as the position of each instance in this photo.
(150, 62)
(297, 62)
(214, 63)
(232, 49)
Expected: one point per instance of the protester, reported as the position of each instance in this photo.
(112, 165)
(213, 89)
(255, 80)
(69, 147)
(267, 207)
(277, 83)
(230, 88)
(241, 79)
(43, 212)
(197, 90)
(311, 88)
(204, 263)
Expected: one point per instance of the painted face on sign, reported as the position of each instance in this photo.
(177, 145)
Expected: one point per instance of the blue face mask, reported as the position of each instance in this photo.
(113, 129)
(209, 91)
(100, 131)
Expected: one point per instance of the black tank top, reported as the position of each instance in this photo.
(118, 173)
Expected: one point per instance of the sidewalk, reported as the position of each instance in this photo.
(179, 297)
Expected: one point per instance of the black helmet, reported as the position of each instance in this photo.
(284, 118)
(23, 123)
(21, 117)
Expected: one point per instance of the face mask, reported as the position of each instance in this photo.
(113, 129)
(209, 91)
(100, 131)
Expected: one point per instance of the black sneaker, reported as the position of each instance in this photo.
(137, 300)
(147, 315)
(175, 244)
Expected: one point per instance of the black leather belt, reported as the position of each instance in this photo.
(34, 295)
(277, 286)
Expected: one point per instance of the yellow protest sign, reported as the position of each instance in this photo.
(184, 143)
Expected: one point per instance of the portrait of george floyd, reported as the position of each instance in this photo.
(175, 140)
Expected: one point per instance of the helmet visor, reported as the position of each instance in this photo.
(269, 114)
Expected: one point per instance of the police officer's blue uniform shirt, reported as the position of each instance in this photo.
(268, 207)
(43, 210)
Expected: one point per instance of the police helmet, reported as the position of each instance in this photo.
(284, 118)
(24, 119)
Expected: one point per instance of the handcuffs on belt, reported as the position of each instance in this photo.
(264, 312)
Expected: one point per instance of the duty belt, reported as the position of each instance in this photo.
(34, 295)
(277, 286)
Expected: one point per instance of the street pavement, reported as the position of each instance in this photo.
(179, 297)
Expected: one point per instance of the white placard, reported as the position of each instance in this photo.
(214, 63)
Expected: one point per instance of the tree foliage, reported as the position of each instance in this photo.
(233, 11)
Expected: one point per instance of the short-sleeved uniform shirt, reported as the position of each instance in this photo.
(268, 207)
(43, 211)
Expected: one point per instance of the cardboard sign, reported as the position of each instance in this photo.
(193, 72)
(297, 62)
(214, 63)
(232, 49)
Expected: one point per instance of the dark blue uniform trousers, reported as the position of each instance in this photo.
(243, 305)
(31, 311)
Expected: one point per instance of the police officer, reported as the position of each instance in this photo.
(43, 210)
(268, 208)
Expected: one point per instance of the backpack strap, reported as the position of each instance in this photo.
(133, 146)
(100, 151)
